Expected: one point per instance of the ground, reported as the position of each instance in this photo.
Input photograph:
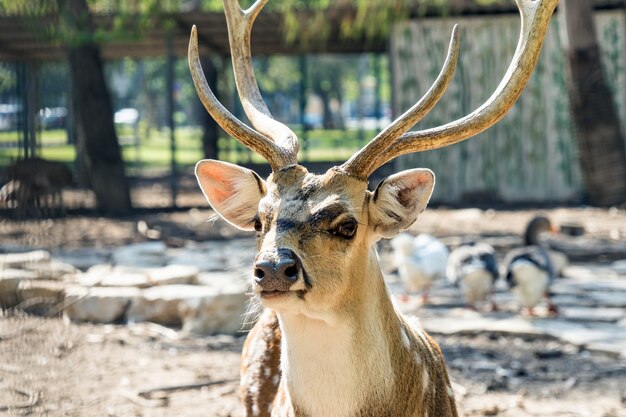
(52, 368)
(88, 370)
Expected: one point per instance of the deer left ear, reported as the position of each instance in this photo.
(233, 191)
(399, 199)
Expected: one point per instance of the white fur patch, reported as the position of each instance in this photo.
(234, 192)
(405, 338)
(322, 377)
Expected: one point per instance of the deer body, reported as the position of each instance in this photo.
(330, 342)
(344, 350)
(35, 184)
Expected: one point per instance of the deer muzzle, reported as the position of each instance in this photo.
(276, 271)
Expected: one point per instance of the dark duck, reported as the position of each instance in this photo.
(474, 268)
(529, 271)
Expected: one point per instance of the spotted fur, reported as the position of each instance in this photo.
(334, 345)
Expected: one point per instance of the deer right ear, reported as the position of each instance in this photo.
(399, 199)
(233, 192)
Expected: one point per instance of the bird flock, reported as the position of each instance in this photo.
(527, 271)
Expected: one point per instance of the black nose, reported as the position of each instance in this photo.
(276, 271)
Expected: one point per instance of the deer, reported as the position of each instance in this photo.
(35, 186)
(329, 341)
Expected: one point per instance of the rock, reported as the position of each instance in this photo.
(224, 281)
(83, 259)
(218, 313)
(224, 312)
(123, 276)
(203, 260)
(598, 314)
(619, 266)
(161, 304)
(40, 291)
(99, 304)
(173, 274)
(54, 270)
(109, 276)
(147, 254)
(548, 353)
(214, 306)
(19, 260)
(9, 282)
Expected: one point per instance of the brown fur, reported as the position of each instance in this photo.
(335, 345)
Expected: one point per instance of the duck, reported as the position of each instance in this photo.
(474, 268)
(421, 261)
(529, 270)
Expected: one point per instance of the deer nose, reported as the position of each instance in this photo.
(277, 271)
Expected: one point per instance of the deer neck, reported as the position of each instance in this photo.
(341, 360)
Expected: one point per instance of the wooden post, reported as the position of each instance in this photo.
(601, 146)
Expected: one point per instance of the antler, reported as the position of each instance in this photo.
(364, 160)
(535, 16)
(273, 140)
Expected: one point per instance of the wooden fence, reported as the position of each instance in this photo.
(530, 156)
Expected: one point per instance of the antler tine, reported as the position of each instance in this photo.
(239, 29)
(362, 164)
(232, 125)
(535, 16)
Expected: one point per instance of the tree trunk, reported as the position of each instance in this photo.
(601, 146)
(98, 147)
(210, 132)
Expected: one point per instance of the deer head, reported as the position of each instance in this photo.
(314, 232)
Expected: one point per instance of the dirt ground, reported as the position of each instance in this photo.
(52, 368)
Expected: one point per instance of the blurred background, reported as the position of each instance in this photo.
(103, 88)
(119, 297)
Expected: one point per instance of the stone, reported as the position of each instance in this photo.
(224, 281)
(98, 304)
(173, 274)
(19, 260)
(84, 258)
(216, 305)
(203, 260)
(53, 269)
(224, 312)
(218, 313)
(40, 291)
(146, 254)
(9, 281)
(110, 276)
(619, 266)
(160, 304)
(587, 314)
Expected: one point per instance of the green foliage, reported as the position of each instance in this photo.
(305, 21)
(7, 78)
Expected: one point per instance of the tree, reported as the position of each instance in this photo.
(210, 129)
(98, 147)
(601, 145)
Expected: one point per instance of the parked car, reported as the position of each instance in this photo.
(53, 117)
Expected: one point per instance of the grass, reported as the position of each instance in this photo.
(153, 149)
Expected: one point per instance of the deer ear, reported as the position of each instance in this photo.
(399, 199)
(234, 192)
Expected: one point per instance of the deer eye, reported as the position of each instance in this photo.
(258, 226)
(346, 229)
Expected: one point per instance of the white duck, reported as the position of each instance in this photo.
(420, 260)
(529, 271)
(473, 267)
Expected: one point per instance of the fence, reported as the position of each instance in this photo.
(531, 154)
